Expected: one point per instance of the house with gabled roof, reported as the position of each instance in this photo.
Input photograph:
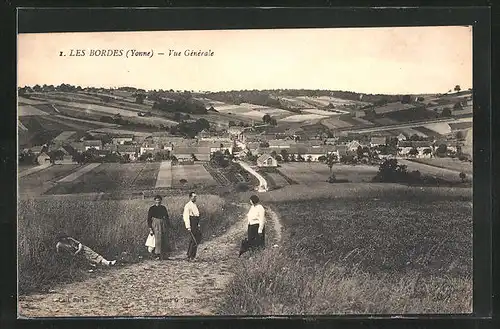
(43, 158)
(267, 160)
(353, 145)
(401, 137)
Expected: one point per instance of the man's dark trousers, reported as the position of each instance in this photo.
(196, 233)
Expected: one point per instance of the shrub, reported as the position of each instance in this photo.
(390, 171)
(332, 178)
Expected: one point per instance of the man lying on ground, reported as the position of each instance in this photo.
(74, 247)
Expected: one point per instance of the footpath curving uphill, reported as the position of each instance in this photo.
(154, 288)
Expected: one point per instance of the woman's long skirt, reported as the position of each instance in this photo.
(253, 240)
(161, 237)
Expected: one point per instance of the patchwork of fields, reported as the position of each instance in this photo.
(113, 177)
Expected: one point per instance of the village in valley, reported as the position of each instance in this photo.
(145, 140)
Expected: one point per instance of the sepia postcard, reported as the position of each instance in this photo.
(323, 171)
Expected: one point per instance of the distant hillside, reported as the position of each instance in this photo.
(274, 98)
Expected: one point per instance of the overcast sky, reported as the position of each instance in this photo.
(368, 60)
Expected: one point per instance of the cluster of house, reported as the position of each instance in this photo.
(313, 149)
(266, 146)
(133, 147)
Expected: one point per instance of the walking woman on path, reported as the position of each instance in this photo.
(256, 226)
(158, 220)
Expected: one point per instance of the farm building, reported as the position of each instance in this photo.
(123, 139)
(217, 139)
(376, 141)
(148, 149)
(267, 160)
(201, 153)
(353, 145)
(309, 153)
(401, 137)
(43, 158)
(424, 148)
(280, 143)
(96, 144)
(130, 150)
(169, 140)
(216, 146)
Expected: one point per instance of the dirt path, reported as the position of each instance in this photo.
(153, 288)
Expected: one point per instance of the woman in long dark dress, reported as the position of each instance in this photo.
(256, 226)
(158, 222)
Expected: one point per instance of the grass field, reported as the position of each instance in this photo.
(41, 181)
(194, 174)
(27, 101)
(446, 174)
(335, 122)
(392, 107)
(107, 177)
(440, 128)
(108, 227)
(321, 112)
(26, 110)
(312, 173)
(303, 117)
(322, 101)
(362, 121)
(448, 163)
(275, 180)
(366, 249)
(116, 177)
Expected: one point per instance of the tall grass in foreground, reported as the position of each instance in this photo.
(110, 227)
(272, 283)
(388, 254)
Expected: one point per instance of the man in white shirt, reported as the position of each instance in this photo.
(256, 226)
(191, 218)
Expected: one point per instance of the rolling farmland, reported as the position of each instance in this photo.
(303, 117)
(28, 110)
(106, 177)
(116, 177)
(39, 182)
(335, 123)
